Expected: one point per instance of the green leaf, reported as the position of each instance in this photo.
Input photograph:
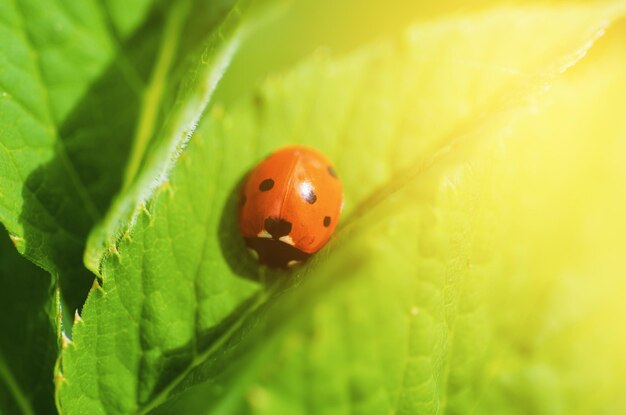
(59, 165)
(27, 324)
(449, 234)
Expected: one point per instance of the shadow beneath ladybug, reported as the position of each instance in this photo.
(231, 242)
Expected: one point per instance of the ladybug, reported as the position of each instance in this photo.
(289, 206)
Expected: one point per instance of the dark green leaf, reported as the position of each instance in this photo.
(28, 334)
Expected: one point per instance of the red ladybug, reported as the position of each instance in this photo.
(290, 204)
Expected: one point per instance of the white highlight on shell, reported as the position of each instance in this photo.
(286, 239)
(305, 189)
(293, 263)
(264, 234)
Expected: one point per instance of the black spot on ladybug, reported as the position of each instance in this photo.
(277, 227)
(266, 185)
(331, 171)
(310, 196)
(327, 221)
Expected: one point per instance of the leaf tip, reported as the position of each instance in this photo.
(18, 241)
(77, 317)
(65, 341)
(96, 285)
(59, 379)
(113, 250)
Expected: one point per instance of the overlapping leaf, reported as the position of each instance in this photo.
(59, 165)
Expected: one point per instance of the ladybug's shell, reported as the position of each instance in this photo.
(306, 194)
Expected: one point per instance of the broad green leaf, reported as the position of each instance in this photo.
(488, 282)
(400, 312)
(28, 334)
